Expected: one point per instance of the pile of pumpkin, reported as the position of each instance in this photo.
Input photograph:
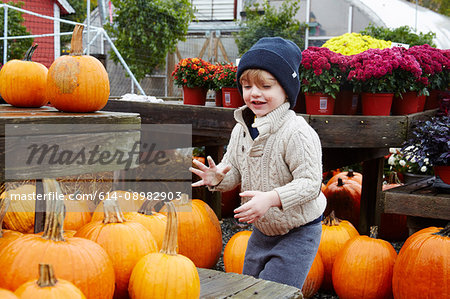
(144, 254)
(73, 83)
(358, 266)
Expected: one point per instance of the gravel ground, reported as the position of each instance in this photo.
(230, 226)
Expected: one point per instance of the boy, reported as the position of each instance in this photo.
(277, 158)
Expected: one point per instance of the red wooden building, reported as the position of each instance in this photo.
(49, 46)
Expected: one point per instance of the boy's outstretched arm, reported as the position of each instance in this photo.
(210, 176)
(257, 206)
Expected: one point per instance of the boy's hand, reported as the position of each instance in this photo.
(257, 206)
(210, 176)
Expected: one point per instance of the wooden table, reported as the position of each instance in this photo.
(217, 284)
(346, 139)
(20, 127)
(423, 204)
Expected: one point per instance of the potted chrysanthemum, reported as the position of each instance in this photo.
(372, 74)
(321, 74)
(224, 79)
(193, 75)
(411, 84)
(435, 64)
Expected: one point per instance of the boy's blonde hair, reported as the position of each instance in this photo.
(256, 75)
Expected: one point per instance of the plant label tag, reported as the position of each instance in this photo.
(323, 103)
(354, 100)
(227, 98)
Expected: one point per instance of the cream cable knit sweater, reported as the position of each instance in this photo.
(285, 157)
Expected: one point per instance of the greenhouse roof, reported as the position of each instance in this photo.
(397, 13)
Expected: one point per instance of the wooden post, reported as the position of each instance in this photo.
(371, 190)
(170, 68)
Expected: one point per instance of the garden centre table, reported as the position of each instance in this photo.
(421, 201)
(346, 139)
(21, 126)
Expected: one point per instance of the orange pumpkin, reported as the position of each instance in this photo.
(165, 274)
(199, 232)
(314, 279)
(48, 287)
(344, 198)
(124, 241)
(80, 261)
(7, 294)
(234, 252)
(363, 268)
(431, 229)
(77, 82)
(154, 222)
(349, 175)
(6, 235)
(20, 214)
(335, 233)
(422, 266)
(128, 202)
(77, 213)
(23, 82)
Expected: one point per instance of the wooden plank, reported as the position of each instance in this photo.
(335, 131)
(418, 199)
(360, 131)
(216, 284)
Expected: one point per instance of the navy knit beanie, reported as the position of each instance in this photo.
(278, 56)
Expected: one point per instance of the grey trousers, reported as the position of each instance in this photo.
(285, 258)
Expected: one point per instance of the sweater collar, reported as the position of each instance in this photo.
(265, 124)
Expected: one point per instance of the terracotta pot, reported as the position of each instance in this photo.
(219, 98)
(421, 103)
(231, 98)
(443, 172)
(346, 103)
(194, 96)
(376, 103)
(406, 105)
(432, 101)
(319, 104)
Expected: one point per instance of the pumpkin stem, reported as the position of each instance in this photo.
(184, 199)
(147, 207)
(4, 204)
(331, 220)
(170, 242)
(350, 173)
(113, 213)
(55, 211)
(340, 182)
(76, 44)
(46, 276)
(30, 53)
(445, 232)
(373, 232)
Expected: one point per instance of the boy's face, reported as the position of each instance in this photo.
(263, 94)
